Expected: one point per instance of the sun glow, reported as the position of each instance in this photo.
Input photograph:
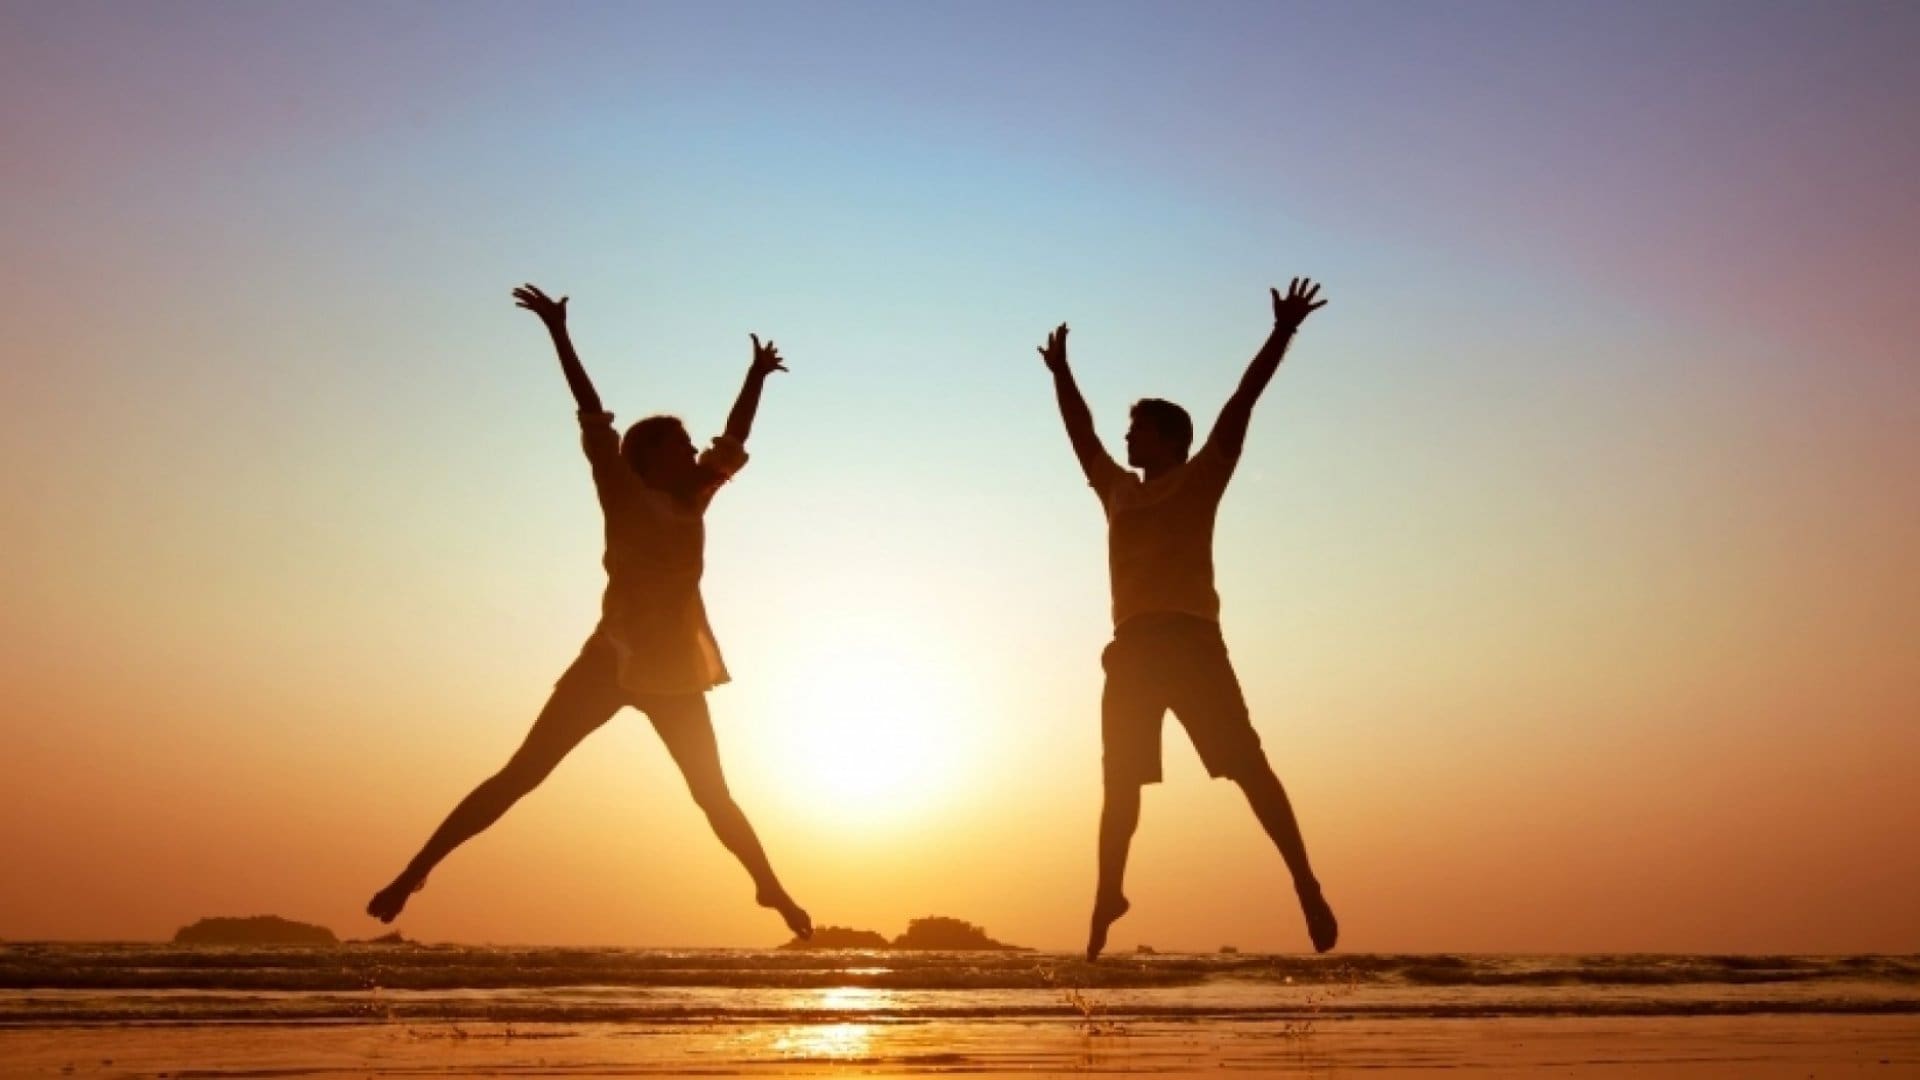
(873, 730)
(831, 1042)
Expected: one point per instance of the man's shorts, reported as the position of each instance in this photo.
(1179, 662)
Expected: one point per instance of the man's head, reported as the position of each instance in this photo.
(1159, 434)
(661, 452)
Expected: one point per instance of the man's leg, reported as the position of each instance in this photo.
(1119, 817)
(1132, 706)
(687, 728)
(1275, 811)
(584, 698)
(1209, 703)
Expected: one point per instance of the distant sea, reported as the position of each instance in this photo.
(68, 984)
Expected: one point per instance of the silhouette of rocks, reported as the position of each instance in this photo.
(933, 932)
(943, 932)
(253, 930)
(840, 937)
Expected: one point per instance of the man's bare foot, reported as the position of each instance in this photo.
(1322, 927)
(388, 902)
(797, 918)
(1106, 910)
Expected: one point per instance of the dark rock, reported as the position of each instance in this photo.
(254, 930)
(942, 932)
(839, 937)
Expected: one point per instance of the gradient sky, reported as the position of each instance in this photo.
(1573, 571)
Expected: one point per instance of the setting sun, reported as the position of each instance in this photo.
(877, 731)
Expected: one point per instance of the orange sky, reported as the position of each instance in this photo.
(1573, 571)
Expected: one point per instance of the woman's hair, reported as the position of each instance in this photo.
(646, 435)
(640, 442)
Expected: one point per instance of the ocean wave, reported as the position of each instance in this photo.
(362, 968)
(324, 1009)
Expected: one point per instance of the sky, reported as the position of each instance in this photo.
(1572, 571)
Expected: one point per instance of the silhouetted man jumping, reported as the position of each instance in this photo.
(1167, 652)
(653, 649)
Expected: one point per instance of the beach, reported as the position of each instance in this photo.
(154, 1011)
(1760, 1046)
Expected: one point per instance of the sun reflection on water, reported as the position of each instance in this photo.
(850, 999)
(837, 1041)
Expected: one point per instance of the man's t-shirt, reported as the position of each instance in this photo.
(652, 611)
(1160, 535)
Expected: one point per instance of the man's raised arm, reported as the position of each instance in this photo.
(1074, 412)
(554, 314)
(1230, 431)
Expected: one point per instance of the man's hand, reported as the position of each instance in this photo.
(1291, 310)
(766, 358)
(1054, 352)
(1094, 461)
(552, 312)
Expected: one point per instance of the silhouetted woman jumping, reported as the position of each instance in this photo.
(653, 649)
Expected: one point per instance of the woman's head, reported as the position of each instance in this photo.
(661, 452)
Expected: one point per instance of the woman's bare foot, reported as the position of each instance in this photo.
(388, 902)
(797, 919)
(1106, 910)
(1322, 927)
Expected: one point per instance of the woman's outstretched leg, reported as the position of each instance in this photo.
(584, 698)
(687, 728)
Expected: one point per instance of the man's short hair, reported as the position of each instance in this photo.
(644, 436)
(1170, 420)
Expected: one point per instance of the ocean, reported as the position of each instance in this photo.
(87, 984)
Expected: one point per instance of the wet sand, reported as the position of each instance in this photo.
(1747, 1046)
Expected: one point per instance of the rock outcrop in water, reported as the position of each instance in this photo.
(840, 937)
(942, 932)
(253, 930)
(934, 932)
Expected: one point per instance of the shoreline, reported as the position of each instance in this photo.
(1767, 1046)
